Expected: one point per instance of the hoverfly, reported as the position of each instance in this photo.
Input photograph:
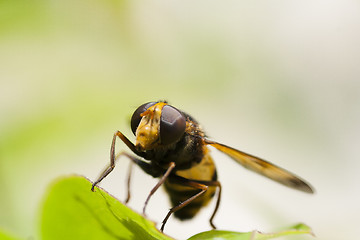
(173, 147)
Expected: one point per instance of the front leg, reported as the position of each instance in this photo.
(113, 157)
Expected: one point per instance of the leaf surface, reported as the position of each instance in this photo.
(254, 235)
(72, 211)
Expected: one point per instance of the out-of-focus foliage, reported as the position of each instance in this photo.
(6, 236)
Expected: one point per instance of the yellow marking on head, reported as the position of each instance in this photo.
(147, 133)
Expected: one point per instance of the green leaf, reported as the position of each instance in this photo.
(255, 235)
(72, 211)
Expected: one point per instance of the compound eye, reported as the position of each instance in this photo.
(136, 118)
(172, 125)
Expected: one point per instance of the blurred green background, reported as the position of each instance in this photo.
(278, 79)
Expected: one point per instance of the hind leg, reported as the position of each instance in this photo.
(202, 186)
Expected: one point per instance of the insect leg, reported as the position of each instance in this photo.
(113, 157)
(146, 167)
(201, 185)
(189, 183)
(112, 166)
(162, 180)
(128, 181)
(217, 184)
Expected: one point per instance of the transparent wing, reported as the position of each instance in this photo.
(263, 167)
